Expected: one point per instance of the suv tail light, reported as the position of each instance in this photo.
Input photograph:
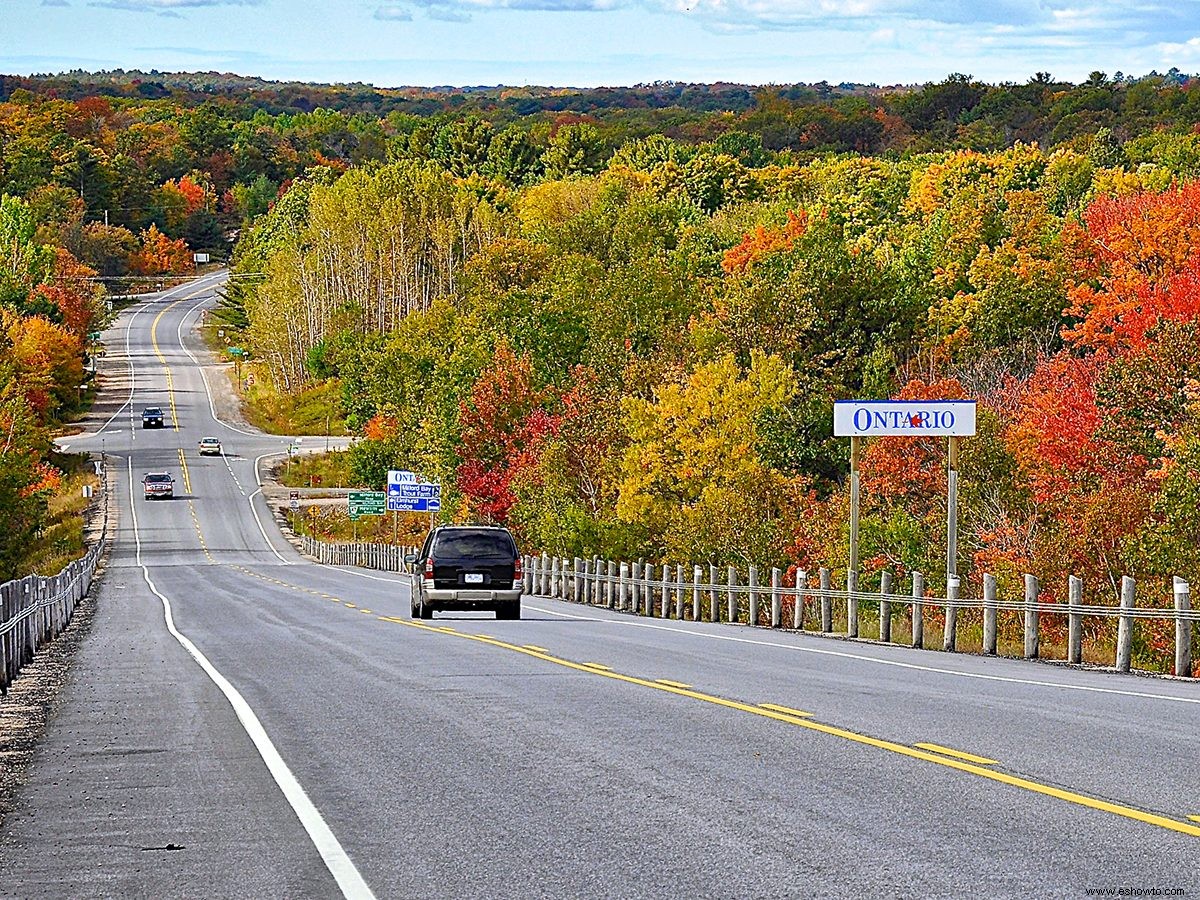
(518, 570)
(429, 569)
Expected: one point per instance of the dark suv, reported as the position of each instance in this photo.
(152, 417)
(467, 567)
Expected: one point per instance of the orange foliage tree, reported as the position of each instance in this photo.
(160, 255)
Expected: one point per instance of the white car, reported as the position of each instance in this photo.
(210, 446)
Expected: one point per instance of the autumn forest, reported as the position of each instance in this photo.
(617, 320)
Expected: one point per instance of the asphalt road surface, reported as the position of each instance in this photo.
(244, 723)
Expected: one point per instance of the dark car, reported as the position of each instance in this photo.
(152, 417)
(466, 567)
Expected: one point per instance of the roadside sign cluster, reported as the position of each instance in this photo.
(408, 492)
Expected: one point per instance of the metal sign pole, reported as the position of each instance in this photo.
(855, 448)
(951, 508)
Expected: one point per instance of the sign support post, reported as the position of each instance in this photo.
(855, 450)
(951, 508)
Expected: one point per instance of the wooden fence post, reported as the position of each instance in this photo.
(950, 635)
(697, 575)
(826, 602)
(990, 610)
(1031, 616)
(776, 598)
(798, 608)
(1125, 625)
(753, 585)
(885, 607)
(731, 596)
(1074, 621)
(852, 602)
(1183, 628)
(918, 610)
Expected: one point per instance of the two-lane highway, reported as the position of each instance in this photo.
(244, 723)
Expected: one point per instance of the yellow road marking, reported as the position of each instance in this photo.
(787, 710)
(958, 754)
(1194, 818)
(187, 476)
(162, 359)
(366, 612)
(599, 667)
(535, 647)
(351, 605)
(669, 683)
(1117, 809)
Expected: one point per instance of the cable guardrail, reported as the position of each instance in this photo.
(666, 591)
(34, 610)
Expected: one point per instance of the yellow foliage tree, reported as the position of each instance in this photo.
(692, 476)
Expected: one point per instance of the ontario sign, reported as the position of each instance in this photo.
(904, 418)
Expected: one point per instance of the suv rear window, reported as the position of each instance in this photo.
(158, 479)
(489, 543)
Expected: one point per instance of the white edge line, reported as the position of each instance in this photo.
(258, 521)
(204, 377)
(340, 866)
(883, 662)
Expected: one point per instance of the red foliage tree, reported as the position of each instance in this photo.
(503, 422)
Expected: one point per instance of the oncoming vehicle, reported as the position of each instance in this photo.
(152, 417)
(158, 485)
(210, 446)
(468, 567)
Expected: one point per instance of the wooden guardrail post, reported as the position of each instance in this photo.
(666, 592)
(753, 585)
(1183, 628)
(679, 591)
(950, 634)
(635, 586)
(851, 602)
(623, 586)
(826, 602)
(731, 595)
(798, 607)
(1031, 616)
(714, 604)
(918, 610)
(1074, 621)
(776, 598)
(990, 609)
(697, 575)
(885, 607)
(1125, 625)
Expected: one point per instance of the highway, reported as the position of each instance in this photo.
(241, 722)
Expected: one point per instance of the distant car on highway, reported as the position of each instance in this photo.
(210, 446)
(158, 485)
(468, 567)
(152, 417)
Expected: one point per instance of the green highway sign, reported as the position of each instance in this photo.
(236, 351)
(366, 503)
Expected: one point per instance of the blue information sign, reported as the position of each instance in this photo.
(412, 496)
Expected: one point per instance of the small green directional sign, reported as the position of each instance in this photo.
(367, 503)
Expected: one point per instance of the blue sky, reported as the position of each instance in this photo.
(597, 42)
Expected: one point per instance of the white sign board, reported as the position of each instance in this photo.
(904, 418)
(200, 258)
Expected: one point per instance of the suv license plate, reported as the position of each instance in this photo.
(473, 578)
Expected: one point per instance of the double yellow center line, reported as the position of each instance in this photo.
(931, 753)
